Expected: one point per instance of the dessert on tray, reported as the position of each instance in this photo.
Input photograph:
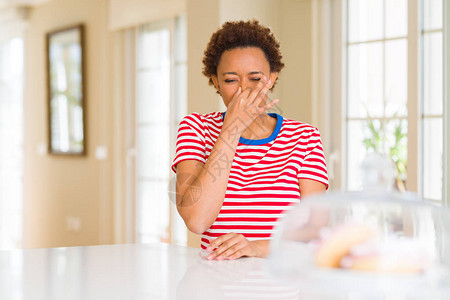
(357, 246)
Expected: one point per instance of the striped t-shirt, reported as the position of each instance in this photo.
(263, 180)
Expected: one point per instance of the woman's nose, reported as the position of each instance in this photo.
(244, 84)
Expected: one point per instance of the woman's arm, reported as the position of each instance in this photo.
(201, 187)
(310, 187)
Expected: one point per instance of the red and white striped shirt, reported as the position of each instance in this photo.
(263, 181)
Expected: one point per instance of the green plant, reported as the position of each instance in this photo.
(392, 143)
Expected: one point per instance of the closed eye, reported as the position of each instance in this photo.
(229, 80)
(255, 79)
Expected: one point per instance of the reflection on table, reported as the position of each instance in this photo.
(134, 271)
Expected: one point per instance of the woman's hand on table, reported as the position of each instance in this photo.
(232, 246)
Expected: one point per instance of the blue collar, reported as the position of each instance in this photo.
(266, 140)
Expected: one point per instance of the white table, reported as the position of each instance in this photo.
(133, 271)
(162, 271)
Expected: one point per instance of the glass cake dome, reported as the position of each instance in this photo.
(373, 244)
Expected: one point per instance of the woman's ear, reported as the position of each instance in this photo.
(216, 82)
(273, 76)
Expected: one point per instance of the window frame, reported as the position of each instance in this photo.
(446, 108)
(338, 126)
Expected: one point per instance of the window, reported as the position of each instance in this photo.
(11, 142)
(432, 99)
(161, 70)
(383, 107)
(377, 84)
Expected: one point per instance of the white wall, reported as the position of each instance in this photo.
(127, 13)
(58, 187)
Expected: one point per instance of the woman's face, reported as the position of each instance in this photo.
(241, 67)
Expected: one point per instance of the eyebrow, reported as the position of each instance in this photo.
(251, 73)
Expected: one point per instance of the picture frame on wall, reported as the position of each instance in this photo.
(66, 91)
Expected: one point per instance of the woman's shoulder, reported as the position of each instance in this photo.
(213, 117)
(298, 126)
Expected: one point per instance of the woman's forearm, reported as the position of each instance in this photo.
(203, 198)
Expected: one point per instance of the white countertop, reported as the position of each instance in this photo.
(133, 271)
(162, 271)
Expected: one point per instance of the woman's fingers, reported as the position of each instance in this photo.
(257, 90)
(271, 104)
(220, 245)
(262, 94)
(240, 97)
(247, 105)
(238, 92)
(234, 252)
(259, 102)
(230, 246)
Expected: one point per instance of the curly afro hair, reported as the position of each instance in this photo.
(241, 34)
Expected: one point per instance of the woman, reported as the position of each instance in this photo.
(238, 171)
